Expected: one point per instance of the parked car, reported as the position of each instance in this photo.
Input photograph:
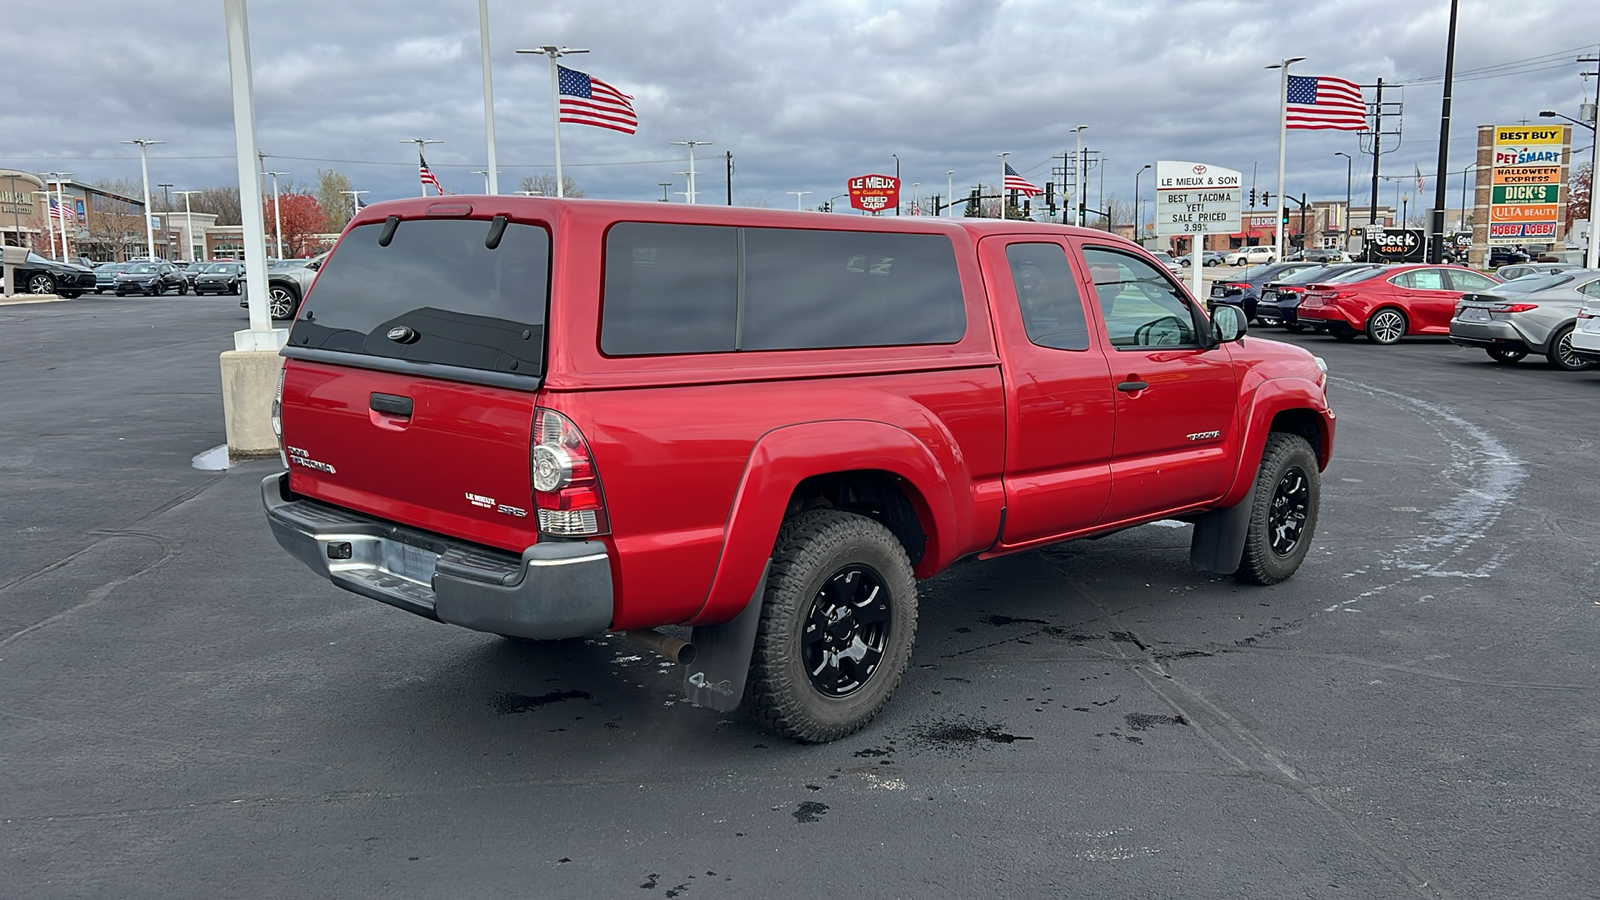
(287, 283)
(105, 276)
(1166, 260)
(1280, 299)
(481, 437)
(1505, 256)
(1586, 336)
(1520, 270)
(1250, 256)
(1390, 302)
(38, 275)
(1244, 290)
(151, 278)
(1318, 255)
(1207, 258)
(1533, 314)
(217, 277)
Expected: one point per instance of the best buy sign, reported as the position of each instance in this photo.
(1527, 193)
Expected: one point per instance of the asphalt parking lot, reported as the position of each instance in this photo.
(188, 712)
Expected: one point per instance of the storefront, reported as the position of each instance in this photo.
(22, 210)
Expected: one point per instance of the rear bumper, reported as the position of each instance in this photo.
(1492, 335)
(553, 590)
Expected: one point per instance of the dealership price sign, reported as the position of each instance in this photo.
(874, 193)
(1195, 198)
(1525, 198)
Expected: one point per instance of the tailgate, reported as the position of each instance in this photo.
(412, 373)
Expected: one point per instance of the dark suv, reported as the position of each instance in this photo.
(151, 278)
(46, 276)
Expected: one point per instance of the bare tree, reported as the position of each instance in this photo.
(756, 201)
(546, 185)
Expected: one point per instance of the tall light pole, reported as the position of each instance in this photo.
(1002, 182)
(61, 204)
(49, 225)
(665, 187)
(1592, 258)
(277, 216)
(420, 142)
(493, 177)
(1349, 169)
(554, 53)
(1136, 214)
(486, 176)
(897, 184)
(1461, 224)
(1077, 178)
(188, 223)
(166, 193)
(1283, 142)
(690, 194)
(916, 198)
(144, 171)
(797, 197)
(949, 190)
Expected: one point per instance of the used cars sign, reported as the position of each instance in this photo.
(874, 193)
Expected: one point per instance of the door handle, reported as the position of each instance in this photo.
(1131, 386)
(391, 404)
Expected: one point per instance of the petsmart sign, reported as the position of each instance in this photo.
(1525, 204)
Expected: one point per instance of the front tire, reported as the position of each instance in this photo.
(41, 284)
(1283, 512)
(837, 624)
(1505, 357)
(1386, 326)
(1560, 353)
(183, 289)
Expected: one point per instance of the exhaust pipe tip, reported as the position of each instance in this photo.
(668, 647)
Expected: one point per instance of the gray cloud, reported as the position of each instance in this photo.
(804, 94)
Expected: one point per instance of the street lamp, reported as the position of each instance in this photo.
(1283, 141)
(896, 183)
(1136, 204)
(485, 174)
(1002, 191)
(144, 170)
(188, 222)
(355, 200)
(49, 225)
(555, 53)
(1349, 167)
(797, 197)
(949, 191)
(277, 216)
(916, 198)
(1462, 226)
(689, 195)
(420, 142)
(166, 193)
(1592, 258)
(61, 204)
(665, 187)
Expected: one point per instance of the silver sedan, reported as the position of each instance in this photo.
(1532, 314)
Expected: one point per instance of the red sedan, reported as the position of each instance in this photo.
(1391, 302)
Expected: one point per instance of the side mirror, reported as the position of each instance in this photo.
(1227, 324)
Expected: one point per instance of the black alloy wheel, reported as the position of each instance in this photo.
(1286, 517)
(1283, 510)
(1505, 356)
(846, 631)
(41, 283)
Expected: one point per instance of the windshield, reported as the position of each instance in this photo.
(110, 267)
(1163, 255)
(141, 269)
(222, 268)
(1361, 274)
(1306, 276)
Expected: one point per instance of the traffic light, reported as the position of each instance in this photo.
(1027, 208)
(1266, 198)
(1286, 218)
(1050, 196)
(1252, 197)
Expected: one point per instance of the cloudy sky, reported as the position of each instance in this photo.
(804, 93)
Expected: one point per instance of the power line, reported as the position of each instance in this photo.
(1540, 63)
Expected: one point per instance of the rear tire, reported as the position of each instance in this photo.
(1387, 326)
(1283, 511)
(1505, 357)
(282, 303)
(837, 624)
(1560, 353)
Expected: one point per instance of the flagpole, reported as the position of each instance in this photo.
(554, 52)
(1003, 183)
(1283, 139)
(422, 142)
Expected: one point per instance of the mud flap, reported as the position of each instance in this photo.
(715, 679)
(1219, 536)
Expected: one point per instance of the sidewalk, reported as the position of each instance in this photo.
(16, 299)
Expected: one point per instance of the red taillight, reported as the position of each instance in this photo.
(1515, 307)
(277, 418)
(1237, 284)
(1586, 314)
(566, 487)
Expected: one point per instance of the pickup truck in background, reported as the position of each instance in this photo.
(548, 418)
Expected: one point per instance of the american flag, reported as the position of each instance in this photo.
(57, 212)
(1015, 182)
(590, 101)
(1323, 102)
(1421, 184)
(426, 174)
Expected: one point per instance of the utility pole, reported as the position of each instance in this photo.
(144, 171)
(1077, 177)
(1377, 150)
(1436, 229)
(421, 142)
(729, 154)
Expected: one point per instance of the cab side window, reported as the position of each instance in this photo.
(1422, 280)
(1047, 293)
(1462, 280)
(1142, 307)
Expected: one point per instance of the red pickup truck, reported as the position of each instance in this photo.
(550, 418)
